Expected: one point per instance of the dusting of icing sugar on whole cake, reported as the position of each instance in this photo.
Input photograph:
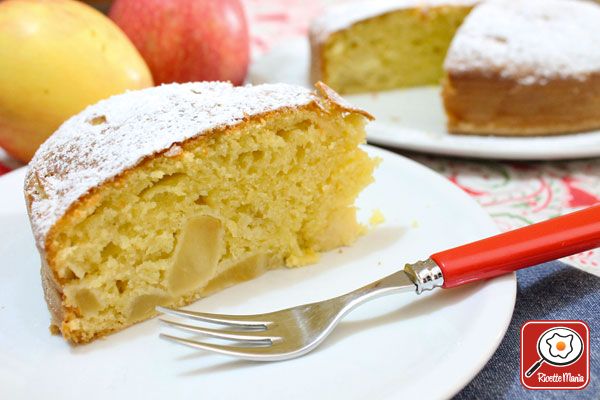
(344, 15)
(118, 133)
(531, 41)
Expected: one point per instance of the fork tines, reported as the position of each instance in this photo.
(245, 334)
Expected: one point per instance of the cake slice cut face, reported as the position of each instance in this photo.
(165, 195)
(381, 45)
(525, 67)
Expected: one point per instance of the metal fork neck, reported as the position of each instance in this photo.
(426, 275)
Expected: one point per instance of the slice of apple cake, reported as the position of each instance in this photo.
(165, 195)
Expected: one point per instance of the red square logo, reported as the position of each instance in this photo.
(555, 355)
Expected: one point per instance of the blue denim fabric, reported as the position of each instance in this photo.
(549, 291)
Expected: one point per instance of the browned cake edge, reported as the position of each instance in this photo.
(488, 104)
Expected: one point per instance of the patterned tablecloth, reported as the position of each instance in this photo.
(514, 193)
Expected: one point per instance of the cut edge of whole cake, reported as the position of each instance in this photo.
(339, 32)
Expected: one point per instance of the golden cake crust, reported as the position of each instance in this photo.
(49, 174)
(481, 104)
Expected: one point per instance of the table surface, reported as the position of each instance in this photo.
(514, 193)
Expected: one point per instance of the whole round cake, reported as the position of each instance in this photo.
(507, 67)
(525, 67)
(164, 195)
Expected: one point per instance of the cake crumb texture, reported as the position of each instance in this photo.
(377, 218)
(401, 47)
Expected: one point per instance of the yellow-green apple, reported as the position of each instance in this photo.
(187, 40)
(57, 57)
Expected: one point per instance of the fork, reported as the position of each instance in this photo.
(295, 331)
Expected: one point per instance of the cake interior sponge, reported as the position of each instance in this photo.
(219, 209)
(404, 47)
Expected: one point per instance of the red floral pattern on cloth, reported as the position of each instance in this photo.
(514, 194)
(518, 194)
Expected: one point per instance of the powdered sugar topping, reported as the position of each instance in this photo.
(116, 134)
(529, 40)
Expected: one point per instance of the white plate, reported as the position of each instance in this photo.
(413, 119)
(403, 346)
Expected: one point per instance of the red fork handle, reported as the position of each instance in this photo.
(521, 248)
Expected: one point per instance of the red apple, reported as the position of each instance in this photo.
(187, 40)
